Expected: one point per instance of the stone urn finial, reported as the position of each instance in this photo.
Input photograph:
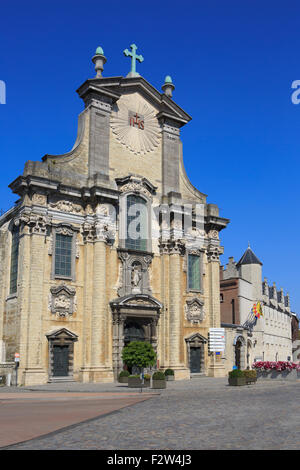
(99, 60)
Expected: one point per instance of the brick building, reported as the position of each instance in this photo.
(267, 338)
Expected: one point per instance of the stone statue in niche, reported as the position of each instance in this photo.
(136, 277)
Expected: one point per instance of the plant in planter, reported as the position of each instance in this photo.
(123, 376)
(159, 380)
(276, 369)
(147, 378)
(169, 374)
(139, 354)
(250, 376)
(236, 377)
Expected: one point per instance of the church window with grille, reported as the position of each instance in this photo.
(63, 255)
(14, 260)
(136, 223)
(194, 278)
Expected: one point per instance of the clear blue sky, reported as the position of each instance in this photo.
(232, 62)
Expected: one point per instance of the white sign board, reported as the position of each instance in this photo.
(216, 339)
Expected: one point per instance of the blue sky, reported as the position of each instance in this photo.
(232, 62)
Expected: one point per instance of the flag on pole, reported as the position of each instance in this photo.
(257, 310)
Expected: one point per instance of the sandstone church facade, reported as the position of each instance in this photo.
(75, 286)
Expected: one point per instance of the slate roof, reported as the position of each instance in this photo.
(249, 258)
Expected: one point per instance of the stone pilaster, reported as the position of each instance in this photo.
(216, 367)
(33, 370)
(98, 371)
(175, 250)
(170, 157)
(118, 343)
(87, 309)
(3, 288)
(163, 346)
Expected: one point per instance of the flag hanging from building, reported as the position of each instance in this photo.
(257, 310)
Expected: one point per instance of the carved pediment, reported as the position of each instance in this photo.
(62, 333)
(136, 184)
(137, 301)
(196, 338)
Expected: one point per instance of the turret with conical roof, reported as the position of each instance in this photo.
(250, 269)
(249, 258)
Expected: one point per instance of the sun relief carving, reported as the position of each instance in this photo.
(135, 124)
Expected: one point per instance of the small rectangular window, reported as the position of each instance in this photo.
(194, 272)
(63, 255)
(14, 261)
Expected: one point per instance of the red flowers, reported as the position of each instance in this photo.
(275, 365)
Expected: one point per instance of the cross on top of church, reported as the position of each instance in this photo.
(134, 58)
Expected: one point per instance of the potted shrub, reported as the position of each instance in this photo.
(138, 354)
(159, 380)
(123, 377)
(250, 376)
(169, 374)
(147, 378)
(236, 377)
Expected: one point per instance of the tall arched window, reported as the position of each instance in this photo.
(14, 260)
(136, 223)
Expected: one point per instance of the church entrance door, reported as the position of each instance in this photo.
(60, 361)
(133, 332)
(195, 360)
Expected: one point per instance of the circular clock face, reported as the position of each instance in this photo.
(135, 125)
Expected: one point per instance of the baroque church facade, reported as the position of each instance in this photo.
(111, 243)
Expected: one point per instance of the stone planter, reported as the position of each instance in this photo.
(278, 375)
(123, 380)
(236, 381)
(170, 378)
(250, 381)
(159, 384)
(134, 382)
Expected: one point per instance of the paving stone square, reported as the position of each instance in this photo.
(200, 414)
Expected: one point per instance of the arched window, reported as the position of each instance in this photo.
(136, 223)
(14, 260)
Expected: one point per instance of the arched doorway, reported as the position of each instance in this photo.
(133, 331)
(249, 354)
(239, 352)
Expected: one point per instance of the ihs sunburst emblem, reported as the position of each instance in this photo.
(135, 125)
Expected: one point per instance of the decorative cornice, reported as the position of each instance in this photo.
(31, 223)
(213, 253)
(172, 247)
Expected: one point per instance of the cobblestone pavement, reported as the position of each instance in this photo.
(203, 413)
(51, 411)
